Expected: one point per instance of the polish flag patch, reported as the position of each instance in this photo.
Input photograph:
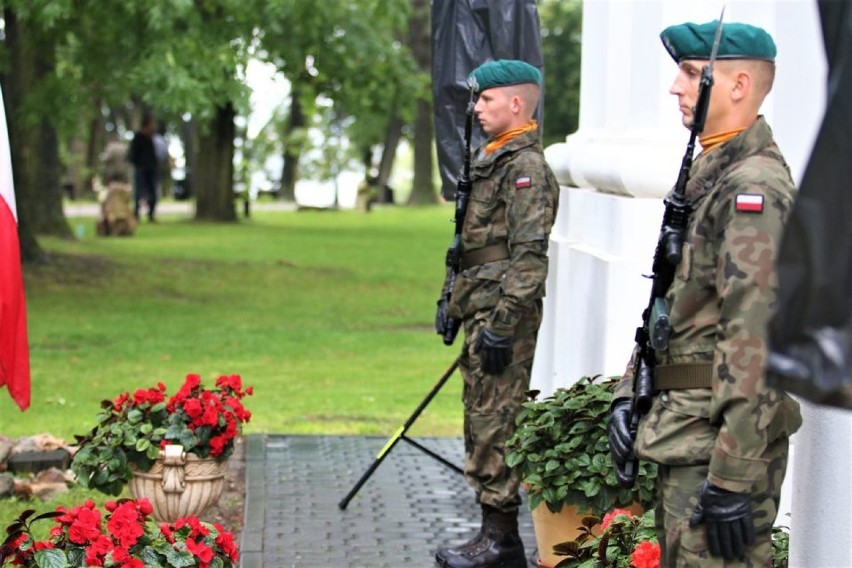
(523, 182)
(749, 203)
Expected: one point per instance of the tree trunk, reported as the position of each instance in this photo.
(214, 175)
(95, 142)
(292, 145)
(423, 187)
(392, 137)
(189, 137)
(33, 141)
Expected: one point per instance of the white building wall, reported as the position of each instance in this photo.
(615, 171)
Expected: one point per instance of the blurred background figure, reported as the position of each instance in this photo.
(143, 156)
(811, 331)
(116, 216)
(164, 161)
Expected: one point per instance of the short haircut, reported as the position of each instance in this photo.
(529, 93)
(762, 73)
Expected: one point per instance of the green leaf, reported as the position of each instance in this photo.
(51, 558)
(142, 444)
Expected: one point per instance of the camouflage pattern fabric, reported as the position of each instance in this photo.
(491, 403)
(719, 304)
(513, 201)
(682, 546)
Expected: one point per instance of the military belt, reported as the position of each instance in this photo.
(491, 253)
(683, 376)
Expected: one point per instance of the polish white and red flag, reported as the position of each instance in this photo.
(14, 350)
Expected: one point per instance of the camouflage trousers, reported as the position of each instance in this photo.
(678, 488)
(491, 403)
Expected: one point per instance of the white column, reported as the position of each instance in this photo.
(615, 171)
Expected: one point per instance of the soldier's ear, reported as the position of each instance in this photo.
(741, 86)
(516, 103)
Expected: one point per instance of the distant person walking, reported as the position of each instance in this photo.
(164, 165)
(143, 156)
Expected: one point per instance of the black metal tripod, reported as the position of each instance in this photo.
(400, 435)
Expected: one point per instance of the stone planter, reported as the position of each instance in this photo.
(179, 484)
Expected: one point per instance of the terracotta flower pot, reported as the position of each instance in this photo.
(179, 484)
(554, 528)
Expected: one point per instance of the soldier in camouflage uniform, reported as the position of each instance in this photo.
(718, 432)
(498, 296)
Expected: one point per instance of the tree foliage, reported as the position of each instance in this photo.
(80, 64)
(561, 28)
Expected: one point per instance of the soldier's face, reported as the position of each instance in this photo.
(494, 110)
(685, 88)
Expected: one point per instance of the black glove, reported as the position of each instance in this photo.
(730, 525)
(441, 316)
(495, 351)
(621, 442)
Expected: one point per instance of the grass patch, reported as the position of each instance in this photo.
(327, 314)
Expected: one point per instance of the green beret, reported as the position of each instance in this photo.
(738, 41)
(502, 73)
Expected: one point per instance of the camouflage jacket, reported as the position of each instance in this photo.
(719, 304)
(513, 201)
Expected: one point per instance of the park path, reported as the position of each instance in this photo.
(90, 208)
(411, 505)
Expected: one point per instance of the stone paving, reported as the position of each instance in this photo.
(411, 505)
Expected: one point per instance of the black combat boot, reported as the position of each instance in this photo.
(499, 546)
(445, 554)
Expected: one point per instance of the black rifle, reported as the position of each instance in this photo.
(463, 189)
(653, 334)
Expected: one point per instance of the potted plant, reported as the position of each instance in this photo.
(164, 447)
(626, 540)
(560, 452)
(125, 537)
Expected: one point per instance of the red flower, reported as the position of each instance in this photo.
(144, 506)
(192, 407)
(124, 524)
(167, 533)
(86, 526)
(217, 445)
(211, 416)
(120, 400)
(225, 541)
(646, 555)
(200, 550)
(97, 551)
(150, 396)
(41, 545)
(609, 517)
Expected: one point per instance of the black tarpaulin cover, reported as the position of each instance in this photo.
(811, 333)
(466, 34)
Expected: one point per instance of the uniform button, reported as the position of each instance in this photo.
(665, 397)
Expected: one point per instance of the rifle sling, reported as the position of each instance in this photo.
(684, 376)
(490, 253)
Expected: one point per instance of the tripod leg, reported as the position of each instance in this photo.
(397, 435)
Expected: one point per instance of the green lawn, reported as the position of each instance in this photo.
(328, 314)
